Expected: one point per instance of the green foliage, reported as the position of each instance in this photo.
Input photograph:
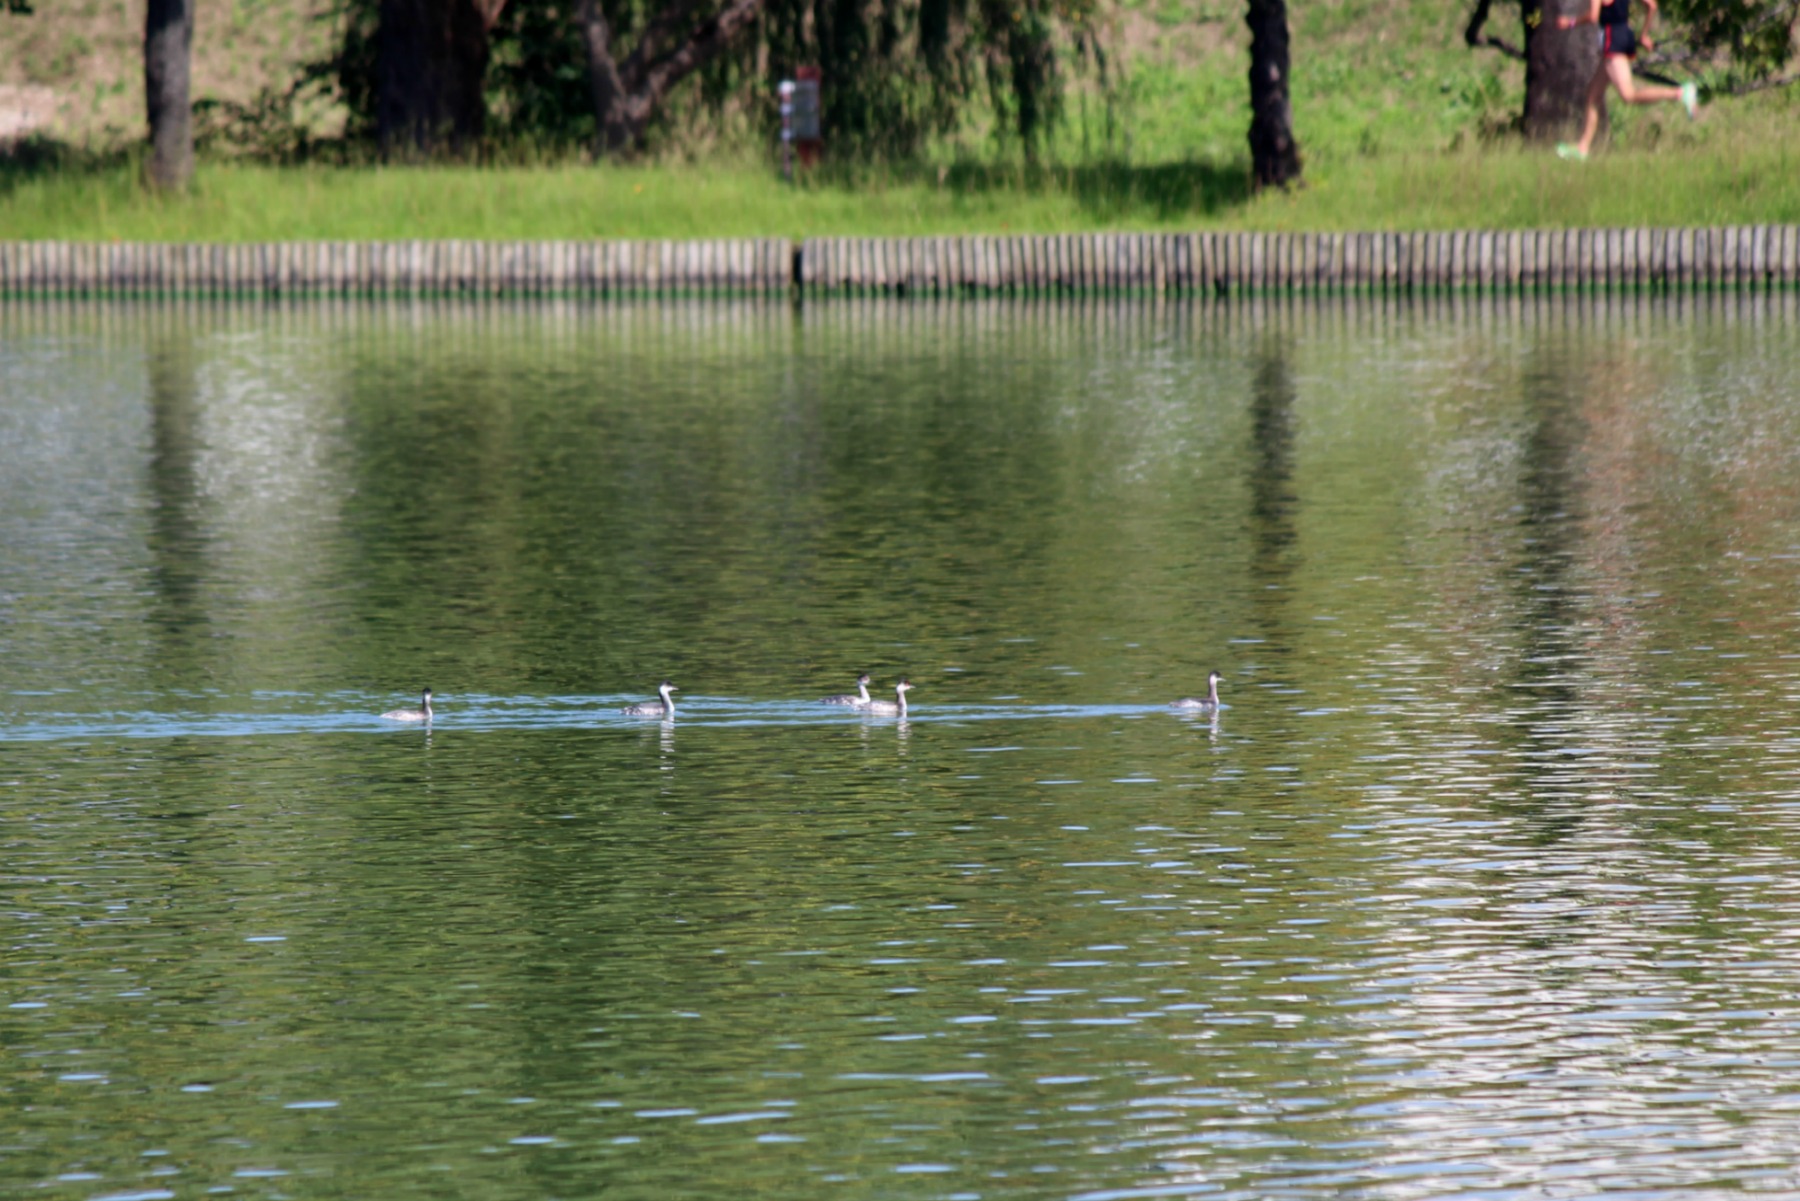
(893, 70)
(1022, 78)
(897, 73)
(265, 128)
(538, 86)
(352, 69)
(1754, 38)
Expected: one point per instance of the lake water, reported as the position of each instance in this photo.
(1483, 884)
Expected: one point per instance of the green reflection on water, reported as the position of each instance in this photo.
(1490, 846)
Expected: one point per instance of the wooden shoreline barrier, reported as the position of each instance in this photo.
(1739, 257)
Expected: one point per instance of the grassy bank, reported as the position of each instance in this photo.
(1395, 116)
(1724, 181)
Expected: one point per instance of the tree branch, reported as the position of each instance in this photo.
(1758, 85)
(627, 94)
(657, 31)
(489, 12)
(701, 47)
(1475, 39)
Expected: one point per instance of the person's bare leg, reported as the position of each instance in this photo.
(1630, 90)
(1596, 93)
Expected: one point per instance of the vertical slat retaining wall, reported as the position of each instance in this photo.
(755, 267)
(1732, 257)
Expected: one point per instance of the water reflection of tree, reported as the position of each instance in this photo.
(176, 545)
(1549, 526)
(1274, 553)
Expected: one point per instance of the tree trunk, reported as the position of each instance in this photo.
(1274, 154)
(430, 63)
(168, 40)
(612, 119)
(1558, 65)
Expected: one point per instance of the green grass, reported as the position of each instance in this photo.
(1739, 181)
(1398, 121)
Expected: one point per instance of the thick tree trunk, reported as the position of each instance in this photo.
(430, 63)
(671, 47)
(1274, 154)
(168, 41)
(611, 115)
(1558, 65)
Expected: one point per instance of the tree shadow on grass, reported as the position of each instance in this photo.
(36, 157)
(1117, 192)
(1106, 194)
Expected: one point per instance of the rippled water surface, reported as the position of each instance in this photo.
(1482, 885)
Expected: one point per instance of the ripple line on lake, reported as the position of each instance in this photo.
(485, 713)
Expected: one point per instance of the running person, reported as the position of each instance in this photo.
(1618, 46)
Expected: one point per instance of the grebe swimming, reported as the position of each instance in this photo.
(422, 713)
(893, 708)
(859, 698)
(1209, 702)
(664, 709)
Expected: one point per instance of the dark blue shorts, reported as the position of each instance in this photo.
(1618, 39)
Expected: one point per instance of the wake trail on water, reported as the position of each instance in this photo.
(287, 714)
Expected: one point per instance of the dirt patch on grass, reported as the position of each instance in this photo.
(1176, 33)
(24, 111)
(88, 56)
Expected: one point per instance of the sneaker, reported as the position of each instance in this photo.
(1571, 152)
(1690, 100)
